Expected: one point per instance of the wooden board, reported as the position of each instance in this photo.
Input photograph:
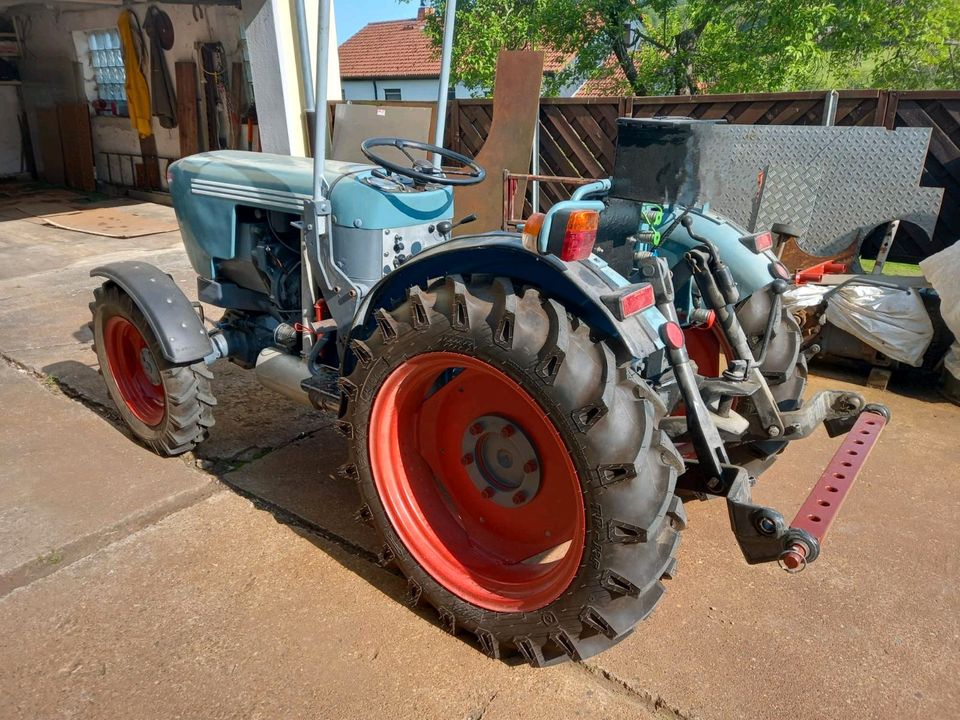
(77, 146)
(516, 99)
(150, 179)
(51, 152)
(187, 117)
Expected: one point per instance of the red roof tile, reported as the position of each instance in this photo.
(401, 49)
(612, 82)
(390, 49)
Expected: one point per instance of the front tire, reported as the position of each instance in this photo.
(167, 407)
(514, 471)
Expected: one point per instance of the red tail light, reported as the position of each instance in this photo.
(672, 335)
(637, 301)
(580, 235)
(630, 300)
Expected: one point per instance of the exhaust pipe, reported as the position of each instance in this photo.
(284, 373)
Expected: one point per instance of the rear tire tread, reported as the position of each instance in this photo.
(594, 404)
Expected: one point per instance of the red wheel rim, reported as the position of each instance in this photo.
(484, 545)
(134, 369)
(706, 347)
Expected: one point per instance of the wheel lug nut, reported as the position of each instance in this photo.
(519, 497)
(530, 466)
(476, 429)
(507, 431)
(467, 459)
(487, 493)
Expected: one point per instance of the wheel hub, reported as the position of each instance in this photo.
(500, 461)
(134, 370)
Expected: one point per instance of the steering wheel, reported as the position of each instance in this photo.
(424, 171)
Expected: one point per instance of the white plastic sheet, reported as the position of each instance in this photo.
(943, 273)
(895, 322)
(803, 296)
(951, 361)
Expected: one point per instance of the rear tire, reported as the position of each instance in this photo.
(167, 407)
(624, 517)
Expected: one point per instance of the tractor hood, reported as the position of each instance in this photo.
(206, 189)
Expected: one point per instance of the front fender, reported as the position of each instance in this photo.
(575, 285)
(169, 313)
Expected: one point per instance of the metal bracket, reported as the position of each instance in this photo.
(761, 532)
(340, 293)
(699, 261)
(836, 409)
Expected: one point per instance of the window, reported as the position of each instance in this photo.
(106, 59)
(391, 93)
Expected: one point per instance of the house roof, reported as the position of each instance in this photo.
(401, 49)
(611, 82)
(390, 49)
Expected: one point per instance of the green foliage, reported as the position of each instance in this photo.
(665, 47)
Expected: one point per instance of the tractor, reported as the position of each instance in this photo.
(527, 413)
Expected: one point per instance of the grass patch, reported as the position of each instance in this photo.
(893, 268)
(54, 557)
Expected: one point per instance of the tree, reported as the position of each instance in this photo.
(660, 47)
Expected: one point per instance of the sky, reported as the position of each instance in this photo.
(351, 15)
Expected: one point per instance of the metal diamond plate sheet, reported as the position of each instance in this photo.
(837, 183)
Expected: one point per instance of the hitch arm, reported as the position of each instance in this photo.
(822, 505)
(762, 533)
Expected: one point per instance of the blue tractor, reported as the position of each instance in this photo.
(526, 413)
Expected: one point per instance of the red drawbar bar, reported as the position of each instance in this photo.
(824, 501)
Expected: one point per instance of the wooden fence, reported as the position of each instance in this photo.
(578, 136)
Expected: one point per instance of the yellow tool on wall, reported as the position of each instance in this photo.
(138, 94)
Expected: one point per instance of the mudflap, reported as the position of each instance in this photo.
(171, 316)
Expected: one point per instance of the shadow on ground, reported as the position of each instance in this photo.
(297, 482)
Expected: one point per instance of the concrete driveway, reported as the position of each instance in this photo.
(235, 583)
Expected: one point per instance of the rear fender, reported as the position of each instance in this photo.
(577, 286)
(171, 315)
(750, 270)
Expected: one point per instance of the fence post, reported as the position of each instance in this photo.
(455, 125)
(830, 108)
(890, 116)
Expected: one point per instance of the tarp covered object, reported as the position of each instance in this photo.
(894, 321)
(942, 271)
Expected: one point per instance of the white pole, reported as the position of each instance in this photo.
(444, 76)
(320, 107)
(535, 165)
(304, 44)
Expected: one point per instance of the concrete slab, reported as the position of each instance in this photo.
(302, 479)
(44, 326)
(871, 630)
(70, 482)
(220, 612)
